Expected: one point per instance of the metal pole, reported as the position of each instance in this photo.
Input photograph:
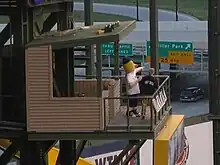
(177, 7)
(201, 61)
(214, 74)
(99, 70)
(116, 58)
(137, 7)
(88, 19)
(154, 35)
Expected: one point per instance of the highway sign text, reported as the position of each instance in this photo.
(173, 52)
(124, 49)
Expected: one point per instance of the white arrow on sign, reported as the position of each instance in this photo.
(188, 46)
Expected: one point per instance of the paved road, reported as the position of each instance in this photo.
(130, 11)
(191, 109)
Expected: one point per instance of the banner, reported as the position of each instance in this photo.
(171, 146)
(108, 158)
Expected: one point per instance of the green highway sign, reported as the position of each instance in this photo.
(124, 49)
(165, 47)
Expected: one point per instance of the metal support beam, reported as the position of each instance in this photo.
(1, 91)
(64, 60)
(154, 35)
(119, 158)
(88, 12)
(137, 10)
(40, 153)
(49, 22)
(5, 34)
(214, 72)
(30, 153)
(133, 152)
(80, 148)
(13, 67)
(99, 70)
(9, 153)
(7, 10)
(68, 152)
(27, 24)
(116, 58)
(176, 11)
(49, 145)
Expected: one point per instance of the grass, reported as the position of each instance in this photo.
(196, 8)
(79, 17)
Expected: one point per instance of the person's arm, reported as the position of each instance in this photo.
(132, 81)
(138, 69)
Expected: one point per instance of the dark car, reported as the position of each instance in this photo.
(191, 94)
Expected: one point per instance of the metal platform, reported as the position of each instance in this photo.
(121, 120)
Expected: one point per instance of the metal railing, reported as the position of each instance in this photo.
(154, 109)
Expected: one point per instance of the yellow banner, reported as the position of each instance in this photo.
(176, 57)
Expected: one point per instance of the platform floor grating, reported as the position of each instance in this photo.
(120, 120)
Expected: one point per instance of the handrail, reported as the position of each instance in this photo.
(126, 97)
(161, 86)
(156, 106)
(118, 76)
(94, 76)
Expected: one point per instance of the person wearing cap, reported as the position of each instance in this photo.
(148, 85)
(133, 89)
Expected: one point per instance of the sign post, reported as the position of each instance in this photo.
(173, 52)
(124, 49)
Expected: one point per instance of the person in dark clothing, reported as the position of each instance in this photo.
(148, 85)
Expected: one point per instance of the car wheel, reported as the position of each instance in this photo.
(195, 99)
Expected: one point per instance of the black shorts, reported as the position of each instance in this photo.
(133, 102)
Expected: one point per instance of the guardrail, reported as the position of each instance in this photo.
(154, 109)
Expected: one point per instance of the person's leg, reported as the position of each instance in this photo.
(133, 106)
(146, 109)
(144, 106)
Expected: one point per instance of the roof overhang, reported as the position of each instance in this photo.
(83, 36)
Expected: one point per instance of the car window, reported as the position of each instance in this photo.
(186, 92)
(200, 91)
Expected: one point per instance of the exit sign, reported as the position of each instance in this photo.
(166, 46)
(173, 52)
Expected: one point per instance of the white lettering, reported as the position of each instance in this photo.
(160, 100)
(107, 159)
